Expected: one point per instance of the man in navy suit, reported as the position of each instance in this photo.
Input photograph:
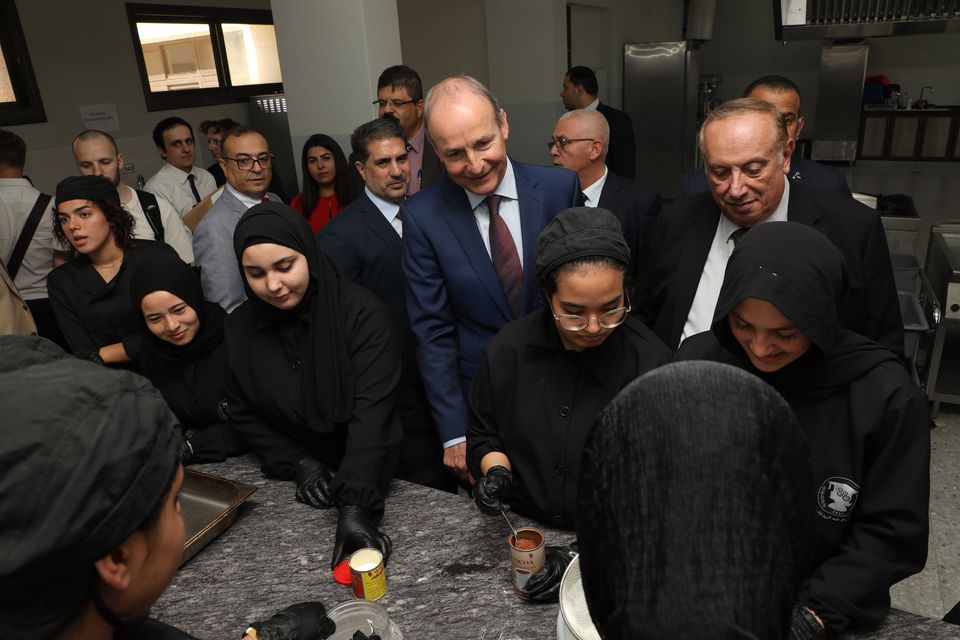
(746, 150)
(579, 142)
(365, 242)
(580, 89)
(785, 96)
(469, 247)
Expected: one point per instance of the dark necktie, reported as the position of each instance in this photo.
(736, 235)
(582, 199)
(193, 186)
(506, 260)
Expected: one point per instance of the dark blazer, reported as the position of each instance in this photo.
(807, 172)
(455, 300)
(622, 155)
(431, 169)
(366, 249)
(636, 205)
(684, 232)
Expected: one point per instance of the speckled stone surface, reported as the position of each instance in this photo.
(448, 577)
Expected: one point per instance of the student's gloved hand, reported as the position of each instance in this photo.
(302, 621)
(313, 480)
(804, 626)
(493, 489)
(544, 585)
(355, 530)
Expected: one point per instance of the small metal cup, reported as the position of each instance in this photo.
(527, 555)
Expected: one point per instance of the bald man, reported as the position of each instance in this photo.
(580, 141)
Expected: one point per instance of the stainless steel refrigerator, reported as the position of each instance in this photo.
(660, 81)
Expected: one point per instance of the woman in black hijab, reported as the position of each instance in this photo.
(693, 483)
(865, 418)
(183, 353)
(545, 377)
(314, 367)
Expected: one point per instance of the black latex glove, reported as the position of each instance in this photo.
(356, 530)
(804, 626)
(313, 480)
(493, 489)
(301, 621)
(544, 585)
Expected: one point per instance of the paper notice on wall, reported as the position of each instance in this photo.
(100, 116)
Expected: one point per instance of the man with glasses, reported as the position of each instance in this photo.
(248, 166)
(400, 97)
(178, 181)
(580, 141)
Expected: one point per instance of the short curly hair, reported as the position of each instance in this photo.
(120, 221)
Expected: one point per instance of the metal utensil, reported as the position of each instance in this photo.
(515, 537)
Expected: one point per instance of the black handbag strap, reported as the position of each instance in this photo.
(26, 235)
(151, 210)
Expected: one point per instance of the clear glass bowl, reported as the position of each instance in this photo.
(358, 615)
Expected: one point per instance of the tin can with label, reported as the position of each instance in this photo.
(367, 572)
(527, 555)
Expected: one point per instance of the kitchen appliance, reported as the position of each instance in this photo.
(943, 273)
(843, 68)
(818, 19)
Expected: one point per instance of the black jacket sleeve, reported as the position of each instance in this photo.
(59, 288)
(374, 432)
(886, 540)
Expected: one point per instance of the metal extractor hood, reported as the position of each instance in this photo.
(816, 19)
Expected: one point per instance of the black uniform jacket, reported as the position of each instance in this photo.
(266, 402)
(93, 313)
(366, 249)
(535, 401)
(870, 449)
(684, 232)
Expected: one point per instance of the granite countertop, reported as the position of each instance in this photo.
(448, 577)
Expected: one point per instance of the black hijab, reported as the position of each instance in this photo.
(316, 325)
(162, 271)
(799, 271)
(691, 494)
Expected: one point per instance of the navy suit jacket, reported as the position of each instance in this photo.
(684, 233)
(807, 172)
(454, 298)
(636, 205)
(622, 154)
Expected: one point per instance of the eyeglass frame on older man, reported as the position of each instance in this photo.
(564, 141)
(265, 160)
(560, 317)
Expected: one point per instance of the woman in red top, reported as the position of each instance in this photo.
(328, 183)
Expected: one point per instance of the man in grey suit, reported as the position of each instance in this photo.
(364, 241)
(247, 164)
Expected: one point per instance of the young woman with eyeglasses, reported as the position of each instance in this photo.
(545, 377)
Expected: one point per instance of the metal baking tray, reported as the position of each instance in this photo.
(209, 506)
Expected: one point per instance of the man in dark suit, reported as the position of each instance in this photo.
(469, 247)
(400, 96)
(785, 96)
(580, 92)
(746, 150)
(365, 243)
(579, 142)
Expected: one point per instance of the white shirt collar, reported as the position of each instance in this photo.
(242, 197)
(593, 105)
(388, 209)
(507, 188)
(592, 192)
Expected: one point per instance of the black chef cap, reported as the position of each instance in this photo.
(87, 188)
(580, 232)
(88, 454)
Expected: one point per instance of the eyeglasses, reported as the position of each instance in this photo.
(607, 320)
(563, 142)
(245, 163)
(395, 102)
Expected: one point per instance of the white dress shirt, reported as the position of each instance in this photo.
(593, 105)
(700, 316)
(175, 233)
(172, 184)
(17, 197)
(388, 209)
(592, 192)
(509, 211)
